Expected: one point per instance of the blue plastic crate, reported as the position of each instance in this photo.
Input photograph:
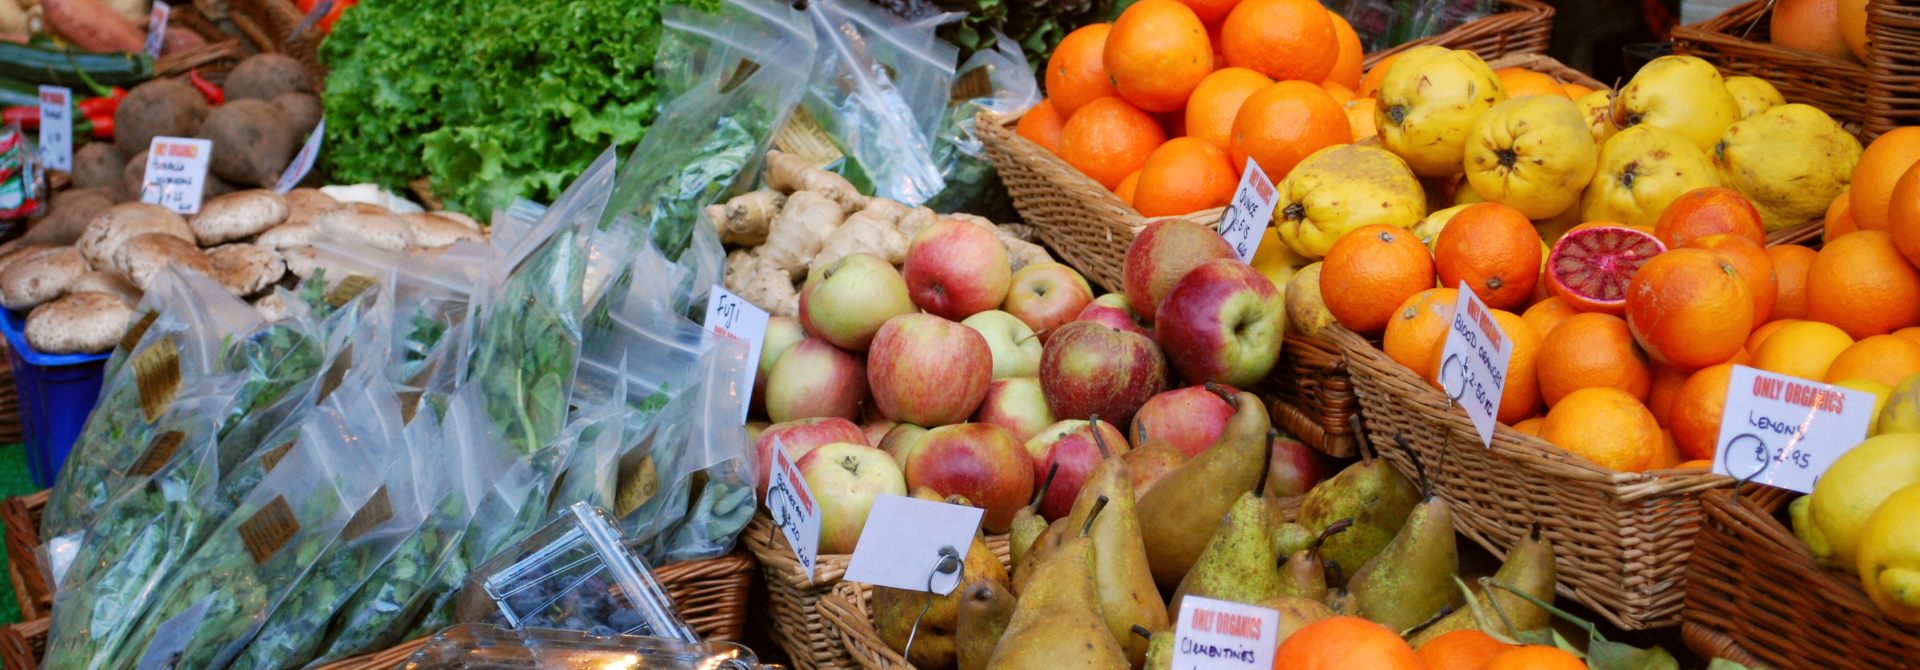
(57, 392)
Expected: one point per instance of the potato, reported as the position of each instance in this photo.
(97, 164)
(268, 76)
(301, 112)
(159, 107)
(68, 216)
(133, 177)
(251, 144)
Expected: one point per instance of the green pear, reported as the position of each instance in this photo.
(1042, 547)
(1295, 613)
(1159, 648)
(986, 606)
(1305, 575)
(1411, 579)
(1056, 624)
(1239, 564)
(895, 610)
(1027, 523)
(1529, 567)
(1371, 493)
(1123, 583)
(1180, 513)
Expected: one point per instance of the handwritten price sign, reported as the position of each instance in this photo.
(56, 128)
(177, 173)
(791, 504)
(1786, 431)
(1473, 367)
(1219, 635)
(733, 316)
(1249, 213)
(157, 28)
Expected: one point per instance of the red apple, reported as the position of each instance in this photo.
(851, 297)
(901, 441)
(1089, 368)
(1047, 296)
(1071, 445)
(977, 460)
(845, 479)
(876, 431)
(1113, 311)
(956, 269)
(782, 333)
(1294, 470)
(815, 378)
(1163, 253)
(927, 370)
(1016, 404)
(1151, 461)
(1222, 323)
(1190, 418)
(1016, 348)
(800, 437)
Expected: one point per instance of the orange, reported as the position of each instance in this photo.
(1494, 249)
(1708, 211)
(1042, 125)
(1688, 308)
(1852, 15)
(1862, 284)
(1546, 314)
(1340, 93)
(1283, 39)
(1521, 82)
(1530, 426)
(1521, 396)
(1128, 187)
(1697, 406)
(1210, 11)
(1344, 643)
(1535, 657)
(1883, 358)
(1702, 463)
(1077, 70)
(1607, 426)
(1370, 84)
(1804, 349)
(1360, 119)
(1575, 91)
(1158, 51)
(1810, 25)
(1419, 326)
(1592, 350)
(1903, 214)
(1214, 103)
(1790, 265)
(1912, 333)
(1765, 331)
(1184, 175)
(1743, 357)
(1666, 386)
(1669, 455)
(1348, 69)
(1880, 168)
(1467, 649)
(1280, 125)
(1377, 268)
(1109, 139)
(1839, 219)
(1753, 264)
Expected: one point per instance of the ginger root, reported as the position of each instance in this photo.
(887, 208)
(1021, 253)
(744, 219)
(917, 220)
(789, 173)
(764, 285)
(799, 231)
(865, 232)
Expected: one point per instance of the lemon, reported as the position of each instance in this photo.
(1643, 169)
(1754, 95)
(1533, 154)
(1679, 93)
(1341, 188)
(1791, 161)
(1306, 311)
(1889, 562)
(1275, 260)
(1880, 394)
(1902, 413)
(1851, 489)
(1427, 104)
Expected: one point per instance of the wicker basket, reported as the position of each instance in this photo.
(1621, 539)
(1868, 99)
(792, 601)
(21, 518)
(270, 24)
(1311, 396)
(1755, 595)
(850, 621)
(1522, 28)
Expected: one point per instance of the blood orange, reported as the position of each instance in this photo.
(1589, 266)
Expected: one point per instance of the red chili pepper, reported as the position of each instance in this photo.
(102, 127)
(27, 116)
(106, 104)
(207, 89)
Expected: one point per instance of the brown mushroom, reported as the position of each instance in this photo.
(143, 257)
(272, 307)
(369, 225)
(106, 281)
(237, 216)
(305, 203)
(246, 269)
(81, 323)
(40, 276)
(119, 223)
(432, 231)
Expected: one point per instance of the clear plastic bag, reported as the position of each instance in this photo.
(998, 80)
(483, 647)
(574, 573)
(879, 90)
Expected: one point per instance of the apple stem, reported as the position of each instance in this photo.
(1093, 423)
(1336, 528)
(1044, 485)
(1142, 632)
(1098, 505)
(1225, 393)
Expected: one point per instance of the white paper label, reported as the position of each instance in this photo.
(1219, 635)
(303, 161)
(900, 545)
(56, 128)
(1473, 368)
(730, 315)
(177, 173)
(792, 507)
(1249, 213)
(157, 27)
(1786, 431)
(172, 636)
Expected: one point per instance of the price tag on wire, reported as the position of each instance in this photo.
(908, 543)
(303, 161)
(157, 27)
(1249, 213)
(1473, 367)
(731, 315)
(1220, 635)
(177, 173)
(1786, 431)
(56, 128)
(793, 508)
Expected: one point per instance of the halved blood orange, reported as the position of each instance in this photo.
(1590, 266)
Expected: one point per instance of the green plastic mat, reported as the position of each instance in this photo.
(14, 481)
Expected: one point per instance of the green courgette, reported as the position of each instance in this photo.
(18, 94)
(37, 64)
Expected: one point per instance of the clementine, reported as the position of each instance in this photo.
(1210, 11)
(1535, 657)
(1157, 53)
(1370, 84)
(1697, 407)
(1660, 394)
(1883, 358)
(1360, 119)
(1283, 39)
(1077, 70)
(1494, 250)
(1881, 166)
(1419, 326)
(1790, 265)
(1810, 25)
(1912, 333)
(1214, 103)
(1766, 330)
(1521, 82)
(1109, 139)
(1349, 67)
(1343, 643)
(1592, 350)
(1707, 211)
(1521, 396)
(1548, 313)
(1862, 284)
(1280, 125)
(1467, 649)
(1530, 425)
(1607, 426)
(1753, 264)
(1839, 219)
(1575, 91)
(1042, 125)
(1377, 268)
(1128, 187)
(1688, 308)
(1184, 175)
(1903, 214)
(1339, 92)
(1805, 349)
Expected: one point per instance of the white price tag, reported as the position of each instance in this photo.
(1219, 635)
(731, 315)
(1786, 431)
(1249, 213)
(56, 128)
(900, 545)
(1473, 368)
(170, 638)
(157, 27)
(177, 173)
(303, 161)
(792, 506)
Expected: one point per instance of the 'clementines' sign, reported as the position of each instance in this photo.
(1220, 635)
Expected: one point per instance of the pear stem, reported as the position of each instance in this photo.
(1419, 467)
(1044, 485)
(1099, 504)
(1437, 616)
(1333, 572)
(1333, 529)
(1224, 392)
(1142, 632)
(1093, 423)
(1266, 465)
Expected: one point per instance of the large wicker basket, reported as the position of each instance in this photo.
(1311, 398)
(1869, 99)
(1755, 595)
(1621, 539)
(21, 519)
(1521, 27)
(847, 611)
